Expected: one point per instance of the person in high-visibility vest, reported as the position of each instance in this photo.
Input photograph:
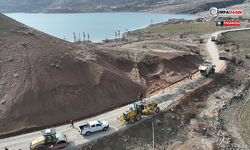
(190, 76)
(141, 94)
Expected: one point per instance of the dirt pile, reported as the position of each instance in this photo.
(159, 70)
(46, 81)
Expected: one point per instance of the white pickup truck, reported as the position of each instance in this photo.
(93, 126)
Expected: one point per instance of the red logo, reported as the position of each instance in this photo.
(235, 12)
(231, 23)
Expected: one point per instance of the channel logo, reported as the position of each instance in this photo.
(214, 12)
(228, 23)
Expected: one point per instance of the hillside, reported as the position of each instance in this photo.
(43, 83)
(46, 81)
(85, 6)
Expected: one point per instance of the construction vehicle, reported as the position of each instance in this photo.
(49, 139)
(207, 68)
(222, 55)
(140, 108)
(213, 38)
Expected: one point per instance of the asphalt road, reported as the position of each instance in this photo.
(77, 140)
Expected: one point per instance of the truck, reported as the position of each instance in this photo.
(213, 38)
(93, 126)
(207, 68)
(222, 55)
(49, 139)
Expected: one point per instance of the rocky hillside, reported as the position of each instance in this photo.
(84, 6)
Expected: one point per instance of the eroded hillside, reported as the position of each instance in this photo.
(46, 81)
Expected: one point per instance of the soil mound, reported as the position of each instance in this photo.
(159, 70)
(45, 81)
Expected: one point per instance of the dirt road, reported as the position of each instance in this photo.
(213, 50)
(76, 140)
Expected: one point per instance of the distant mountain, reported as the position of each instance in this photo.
(87, 6)
(10, 6)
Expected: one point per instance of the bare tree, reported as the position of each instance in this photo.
(88, 37)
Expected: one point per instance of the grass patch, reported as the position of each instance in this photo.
(85, 9)
(244, 120)
(241, 38)
(184, 29)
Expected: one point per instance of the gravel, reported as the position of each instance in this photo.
(174, 93)
(193, 83)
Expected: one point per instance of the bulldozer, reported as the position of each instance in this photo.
(140, 108)
(49, 139)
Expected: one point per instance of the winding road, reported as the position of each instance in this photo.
(77, 140)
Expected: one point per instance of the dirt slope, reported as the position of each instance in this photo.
(45, 81)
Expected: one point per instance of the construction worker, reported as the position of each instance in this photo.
(190, 76)
(72, 123)
(139, 97)
(141, 94)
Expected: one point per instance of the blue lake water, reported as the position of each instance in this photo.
(99, 26)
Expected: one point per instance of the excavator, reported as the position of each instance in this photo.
(140, 108)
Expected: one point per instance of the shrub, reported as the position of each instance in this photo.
(201, 40)
(237, 59)
(216, 146)
(246, 65)
(217, 95)
(240, 76)
(181, 36)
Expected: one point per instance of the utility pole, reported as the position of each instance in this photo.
(74, 36)
(153, 136)
(115, 35)
(84, 36)
(119, 34)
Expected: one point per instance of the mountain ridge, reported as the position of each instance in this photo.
(89, 6)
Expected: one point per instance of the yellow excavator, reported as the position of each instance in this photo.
(140, 108)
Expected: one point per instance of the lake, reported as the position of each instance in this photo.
(99, 26)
